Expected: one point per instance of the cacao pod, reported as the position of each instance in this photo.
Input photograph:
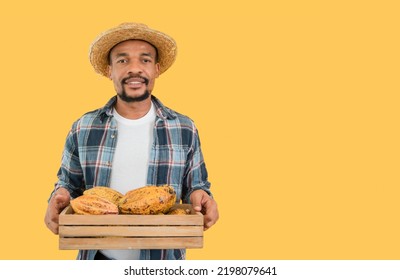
(179, 211)
(148, 200)
(93, 205)
(105, 192)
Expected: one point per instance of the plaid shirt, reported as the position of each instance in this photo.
(175, 159)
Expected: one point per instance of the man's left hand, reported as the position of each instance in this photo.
(205, 204)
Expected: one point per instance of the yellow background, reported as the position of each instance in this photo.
(297, 104)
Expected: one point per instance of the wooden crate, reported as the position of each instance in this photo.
(130, 231)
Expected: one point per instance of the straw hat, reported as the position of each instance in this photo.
(102, 45)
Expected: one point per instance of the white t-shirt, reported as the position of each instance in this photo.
(130, 163)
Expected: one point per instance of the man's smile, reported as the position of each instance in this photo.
(135, 82)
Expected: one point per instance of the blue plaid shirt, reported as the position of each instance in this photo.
(175, 159)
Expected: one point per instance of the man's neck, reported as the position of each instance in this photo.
(133, 110)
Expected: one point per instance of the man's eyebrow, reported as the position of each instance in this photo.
(146, 54)
(121, 55)
(126, 54)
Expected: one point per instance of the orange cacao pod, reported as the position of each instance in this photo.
(93, 205)
(148, 200)
(105, 192)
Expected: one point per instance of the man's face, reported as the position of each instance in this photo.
(133, 69)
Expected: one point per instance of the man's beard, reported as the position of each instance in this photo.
(127, 98)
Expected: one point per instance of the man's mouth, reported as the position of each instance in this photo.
(135, 81)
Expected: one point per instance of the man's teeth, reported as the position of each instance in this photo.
(134, 83)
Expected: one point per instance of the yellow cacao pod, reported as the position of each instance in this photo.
(179, 211)
(93, 205)
(105, 192)
(148, 200)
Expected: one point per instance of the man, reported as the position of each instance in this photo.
(134, 140)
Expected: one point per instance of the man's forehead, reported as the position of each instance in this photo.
(150, 49)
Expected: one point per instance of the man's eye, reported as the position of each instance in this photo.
(121, 61)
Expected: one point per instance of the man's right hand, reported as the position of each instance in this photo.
(57, 203)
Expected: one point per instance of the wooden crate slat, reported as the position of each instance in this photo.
(130, 243)
(130, 220)
(139, 231)
(68, 218)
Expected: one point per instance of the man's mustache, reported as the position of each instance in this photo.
(145, 80)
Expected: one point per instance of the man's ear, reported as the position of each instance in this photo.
(157, 69)
(109, 72)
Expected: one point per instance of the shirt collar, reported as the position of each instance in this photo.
(161, 110)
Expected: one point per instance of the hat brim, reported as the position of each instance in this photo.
(101, 46)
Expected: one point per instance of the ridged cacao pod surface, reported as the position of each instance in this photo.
(93, 205)
(105, 192)
(179, 211)
(148, 200)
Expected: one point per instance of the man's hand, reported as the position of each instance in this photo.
(205, 204)
(57, 203)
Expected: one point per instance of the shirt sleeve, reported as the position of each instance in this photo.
(70, 174)
(196, 176)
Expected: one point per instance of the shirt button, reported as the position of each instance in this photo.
(113, 136)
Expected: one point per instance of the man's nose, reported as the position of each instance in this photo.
(134, 67)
